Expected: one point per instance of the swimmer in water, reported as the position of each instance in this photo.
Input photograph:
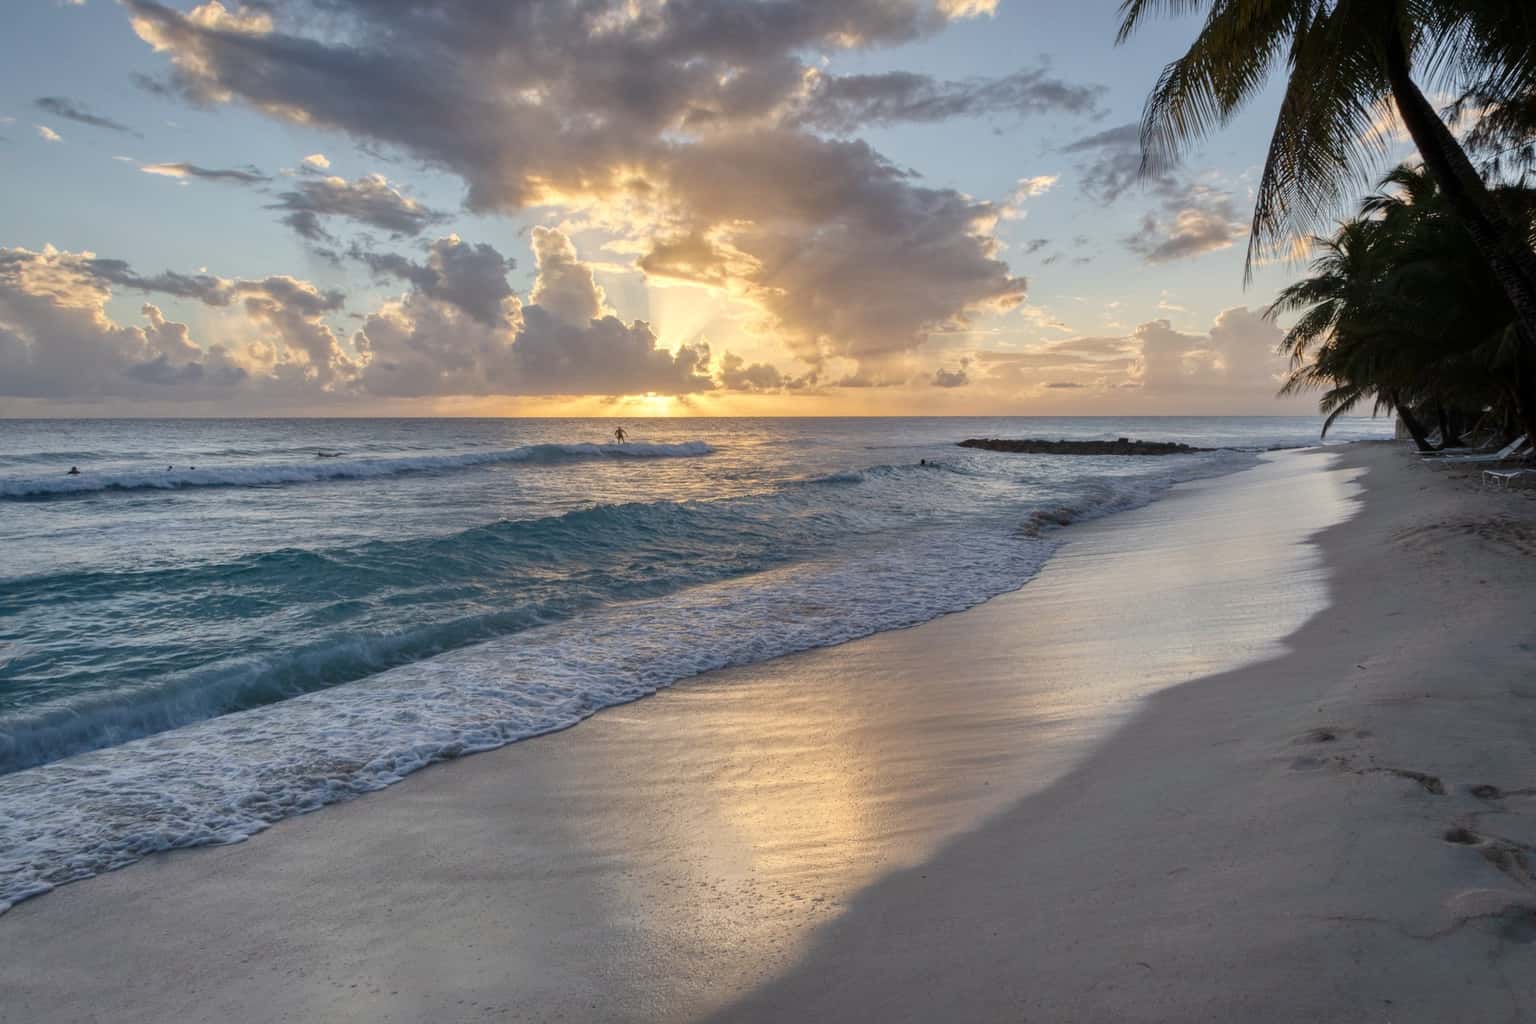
(73, 471)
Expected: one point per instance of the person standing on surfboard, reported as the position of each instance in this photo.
(619, 435)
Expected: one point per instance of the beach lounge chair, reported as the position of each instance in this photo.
(1504, 477)
(1484, 443)
(1512, 450)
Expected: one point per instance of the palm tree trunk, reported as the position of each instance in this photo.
(1415, 428)
(1508, 254)
(1448, 436)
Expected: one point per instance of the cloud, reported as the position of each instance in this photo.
(1237, 357)
(1093, 347)
(151, 85)
(736, 375)
(292, 311)
(570, 344)
(57, 340)
(1026, 189)
(421, 345)
(657, 124)
(944, 378)
(1190, 218)
(846, 256)
(1013, 372)
(60, 106)
(565, 287)
(471, 277)
(205, 288)
(370, 200)
(48, 134)
(1233, 366)
(1192, 221)
(1111, 161)
(846, 103)
(318, 161)
(183, 171)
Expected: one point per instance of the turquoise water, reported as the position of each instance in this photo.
(211, 627)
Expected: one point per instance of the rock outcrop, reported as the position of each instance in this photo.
(1122, 446)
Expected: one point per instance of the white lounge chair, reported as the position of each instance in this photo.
(1513, 450)
(1483, 443)
(1504, 477)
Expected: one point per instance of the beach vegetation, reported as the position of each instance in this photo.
(1398, 309)
(1350, 67)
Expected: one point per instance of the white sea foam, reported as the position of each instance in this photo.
(225, 779)
(267, 474)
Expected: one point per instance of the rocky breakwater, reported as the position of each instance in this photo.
(1121, 446)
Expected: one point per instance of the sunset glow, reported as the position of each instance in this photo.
(900, 209)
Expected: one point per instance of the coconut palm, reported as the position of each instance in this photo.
(1339, 342)
(1348, 62)
(1398, 308)
(1501, 132)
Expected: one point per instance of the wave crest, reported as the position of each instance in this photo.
(270, 474)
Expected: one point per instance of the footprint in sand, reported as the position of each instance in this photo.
(1509, 857)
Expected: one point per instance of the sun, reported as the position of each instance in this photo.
(649, 404)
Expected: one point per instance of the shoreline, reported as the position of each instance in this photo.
(1342, 833)
(751, 842)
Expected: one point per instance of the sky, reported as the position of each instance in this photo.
(616, 207)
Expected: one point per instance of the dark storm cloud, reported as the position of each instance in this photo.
(70, 110)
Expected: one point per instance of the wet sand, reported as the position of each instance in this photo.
(1155, 784)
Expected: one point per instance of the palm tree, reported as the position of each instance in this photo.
(1338, 342)
(1398, 308)
(1348, 62)
(1501, 132)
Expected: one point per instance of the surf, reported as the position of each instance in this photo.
(331, 468)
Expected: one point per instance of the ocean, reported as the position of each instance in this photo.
(219, 624)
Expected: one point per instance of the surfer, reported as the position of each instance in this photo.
(619, 435)
(73, 471)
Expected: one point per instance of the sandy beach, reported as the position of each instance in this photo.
(1264, 750)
